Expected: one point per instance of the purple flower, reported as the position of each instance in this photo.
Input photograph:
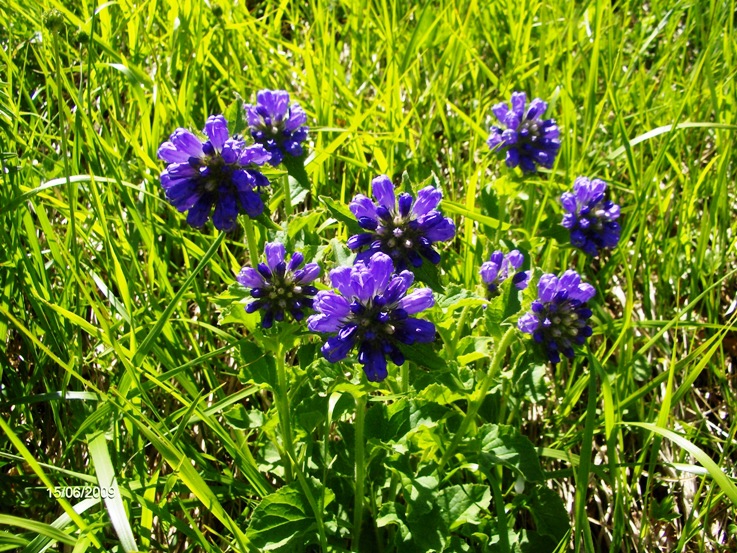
(214, 172)
(500, 266)
(401, 227)
(559, 317)
(371, 310)
(527, 139)
(280, 287)
(275, 124)
(590, 218)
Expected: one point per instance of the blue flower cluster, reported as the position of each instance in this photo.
(528, 139)
(214, 172)
(402, 227)
(277, 125)
(591, 218)
(500, 267)
(280, 287)
(219, 172)
(560, 314)
(371, 310)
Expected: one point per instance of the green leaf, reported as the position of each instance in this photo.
(429, 274)
(280, 519)
(342, 214)
(462, 504)
(453, 296)
(531, 380)
(440, 394)
(493, 317)
(38, 528)
(236, 116)
(722, 480)
(550, 515)
(97, 445)
(299, 182)
(162, 319)
(424, 520)
(424, 355)
(501, 444)
(393, 513)
(238, 417)
(474, 348)
(665, 129)
(458, 209)
(343, 256)
(258, 367)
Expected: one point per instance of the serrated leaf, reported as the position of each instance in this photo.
(461, 504)
(501, 444)
(258, 367)
(309, 220)
(424, 518)
(238, 417)
(550, 514)
(440, 394)
(343, 256)
(474, 348)
(452, 297)
(393, 514)
(280, 519)
(493, 317)
(532, 382)
(424, 355)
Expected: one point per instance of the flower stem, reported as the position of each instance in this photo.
(359, 472)
(282, 406)
(459, 329)
(478, 398)
(501, 516)
(251, 239)
(287, 196)
(405, 377)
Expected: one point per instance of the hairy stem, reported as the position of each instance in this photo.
(478, 398)
(359, 472)
(282, 405)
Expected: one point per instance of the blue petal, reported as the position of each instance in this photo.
(427, 199)
(226, 211)
(216, 129)
(250, 278)
(373, 361)
(335, 349)
(417, 301)
(383, 191)
(275, 252)
(200, 212)
(361, 206)
(251, 202)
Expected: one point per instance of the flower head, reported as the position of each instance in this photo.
(528, 139)
(590, 218)
(559, 317)
(214, 172)
(401, 227)
(275, 124)
(500, 267)
(278, 286)
(371, 310)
